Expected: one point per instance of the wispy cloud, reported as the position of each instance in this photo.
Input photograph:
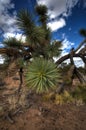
(70, 29)
(7, 19)
(84, 3)
(67, 45)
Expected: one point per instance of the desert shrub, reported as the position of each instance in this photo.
(49, 96)
(59, 99)
(77, 97)
(42, 75)
(67, 97)
(80, 93)
(63, 98)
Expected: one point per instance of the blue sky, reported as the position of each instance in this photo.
(66, 18)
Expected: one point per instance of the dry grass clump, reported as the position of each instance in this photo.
(65, 97)
(77, 97)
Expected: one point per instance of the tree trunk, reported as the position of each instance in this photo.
(21, 79)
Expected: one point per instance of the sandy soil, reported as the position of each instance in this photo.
(51, 117)
(45, 115)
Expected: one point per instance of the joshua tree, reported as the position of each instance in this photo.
(38, 43)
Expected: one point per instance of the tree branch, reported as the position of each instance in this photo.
(67, 57)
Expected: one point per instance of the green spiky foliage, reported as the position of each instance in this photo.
(42, 12)
(53, 49)
(48, 35)
(83, 32)
(12, 42)
(12, 48)
(43, 17)
(42, 75)
(34, 34)
(36, 37)
(25, 21)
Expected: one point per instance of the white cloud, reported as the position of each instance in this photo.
(7, 20)
(67, 45)
(78, 62)
(59, 7)
(18, 36)
(57, 24)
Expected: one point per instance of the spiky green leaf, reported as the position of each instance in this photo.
(42, 75)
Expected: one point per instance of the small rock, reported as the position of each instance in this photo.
(39, 113)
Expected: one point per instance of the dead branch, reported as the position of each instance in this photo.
(63, 58)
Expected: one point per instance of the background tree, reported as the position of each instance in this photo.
(80, 51)
(83, 32)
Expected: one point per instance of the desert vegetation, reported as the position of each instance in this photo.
(29, 76)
